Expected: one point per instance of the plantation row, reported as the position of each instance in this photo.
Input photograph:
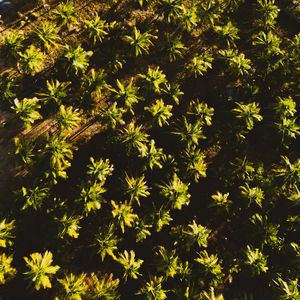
(150, 151)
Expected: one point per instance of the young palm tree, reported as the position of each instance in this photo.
(142, 230)
(106, 241)
(24, 149)
(59, 152)
(8, 87)
(34, 197)
(67, 118)
(73, 286)
(221, 200)
(211, 267)
(134, 138)
(267, 13)
(7, 233)
(140, 42)
(123, 213)
(76, 60)
(248, 113)
(190, 133)
(153, 156)
(27, 110)
(228, 34)
(47, 35)
(172, 91)
(239, 65)
(290, 172)
(31, 60)
(102, 287)
(161, 217)
(170, 9)
(127, 94)
(189, 17)
(96, 29)
(113, 115)
(69, 225)
(130, 264)
(256, 261)
(176, 192)
(209, 12)
(136, 188)
(55, 92)
(94, 82)
(160, 112)
(288, 129)
(7, 271)
(289, 290)
(195, 164)
(40, 269)
(199, 65)
(174, 47)
(65, 15)
(91, 195)
(99, 170)
(11, 44)
(254, 194)
(169, 263)
(153, 289)
(201, 111)
(153, 80)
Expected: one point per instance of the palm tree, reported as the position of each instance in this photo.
(199, 65)
(94, 82)
(40, 269)
(288, 129)
(170, 9)
(255, 260)
(142, 230)
(254, 194)
(190, 133)
(134, 138)
(174, 47)
(228, 34)
(221, 200)
(102, 287)
(91, 195)
(76, 60)
(106, 241)
(27, 110)
(113, 115)
(7, 233)
(99, 170)
(153, 155)
(59, 153)
(201, 111)
(74, 286)
(34, 197)
(239, 65)
(153, 289)
(31, 60)
(248, 113)
(161, 217)
(127, 94)
(47, 35)
(169, 264)
(209, 12)
(153, 80)
(8, 87)
(69, 225)
(290, 172)
(24, 149)
(176, 192)
(65, 14)
(211, 267)
(140, 42)
(160, 112)
(124, 215)
(285, 107)
(130, 264)
(7, 271)
(289, 290)
(67, 118)
(96, 29)
(11, 44)
(195, 164)
(267, 13)
(172, 91)
(136, 188)
(189, 17)
(55, 91)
